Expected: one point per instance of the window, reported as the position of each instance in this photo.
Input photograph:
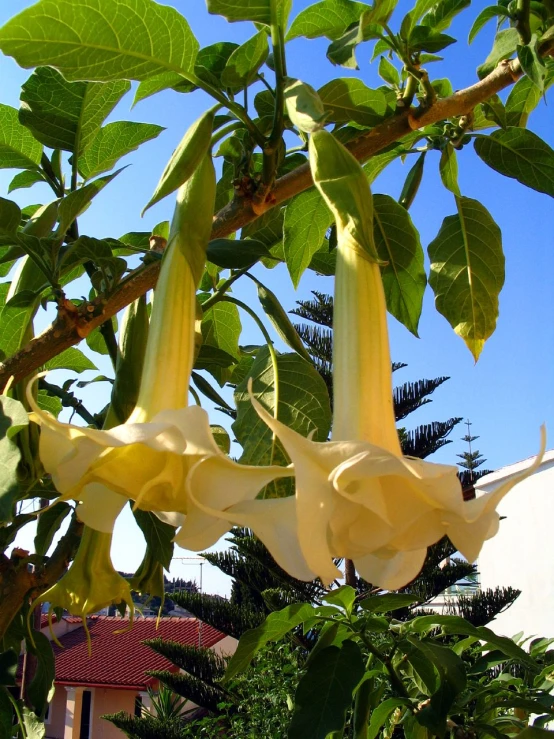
(86, 718)
(138, 706)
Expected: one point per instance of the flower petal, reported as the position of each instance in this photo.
(99, 507)
(393, 572)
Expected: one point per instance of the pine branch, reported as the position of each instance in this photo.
(412, 395)
(425, 440)
(219, 613)
(191, 688)
(145, 727)
(66, 332)
(319, 310)
(481, 608)
(200, 662)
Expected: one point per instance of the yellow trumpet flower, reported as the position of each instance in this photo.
(357, 496)
(147, 459)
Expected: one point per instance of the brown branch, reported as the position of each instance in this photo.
(66, 331)
(17, 583)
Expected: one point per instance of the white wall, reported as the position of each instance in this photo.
(522, 553)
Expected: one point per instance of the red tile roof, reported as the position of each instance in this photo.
(120, 660)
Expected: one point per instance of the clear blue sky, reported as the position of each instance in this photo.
(508, 393)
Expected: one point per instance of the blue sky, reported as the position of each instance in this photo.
(508, 393)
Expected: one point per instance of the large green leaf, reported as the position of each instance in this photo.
(158, 535)
(348, 99)
(520, 154)
(113, 142)
(66, 115)
(10, 216)
(49, 522)
(303, 406)
(18, 148)
(244, 62)
(380, 714)
(101, 41)
(258, 11)
(210, 63)
(443, 13)
(42, 683)
(524, 98)
(398, 245)
(487, 14)
(307, 219)
(13, 418)
(78, 201)
(71, 359)
(27, 178)
(329, 18)
(324, 693)
(273, 628)
(221, 329)
(505, 45)
(467, 272)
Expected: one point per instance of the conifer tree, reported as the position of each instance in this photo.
(471, 460)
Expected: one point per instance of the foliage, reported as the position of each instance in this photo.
(267, 215)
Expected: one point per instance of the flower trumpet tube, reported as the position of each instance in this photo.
(91, 583)
(147, 459)
(357, 496)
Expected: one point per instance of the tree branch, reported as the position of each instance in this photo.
(69, 329)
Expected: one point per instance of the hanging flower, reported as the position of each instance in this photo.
(90, 584)
(147, 459)
(357, 496)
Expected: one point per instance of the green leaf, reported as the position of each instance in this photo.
(343, 597)
(210, 63)
(113, 142)
(459, 625)
(95, 340)
(531, 64)
(348, 99)
(443, 13)
(380, 715)
(8, 667)
(204, 386)
(329, 18)
(377, 163)
(389, 72)
(418, 11)
(13, 418)
(110, 268)
(268, 228)
(307, 219)
(467, 272)
(122, 39)
(505, 45)
(66, 115)
(343, 50)
(324, 693)
(18, 148)
(49, 403)
(48, 524)
(6, 711)
(304, 106)
(221, 329)
(14, 320)
(158, 536)
(280, 320)
(424, 38)
(235, 253)
(42, 684)
(452, 675)
(244, 63)
(448, 168)
(258, 11)
(27, 178)
(487, 14)
(300, 386)
(10, 216)
(520, 154)
(324, 261)
(387, 602)
(273, 628)
(522, 100)
(74, 204)
(398, 245)
(71, 359)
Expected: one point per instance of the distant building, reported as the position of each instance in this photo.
(522, 552)
(113, 678)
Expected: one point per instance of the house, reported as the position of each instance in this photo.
(522, 552)
(113, 677)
